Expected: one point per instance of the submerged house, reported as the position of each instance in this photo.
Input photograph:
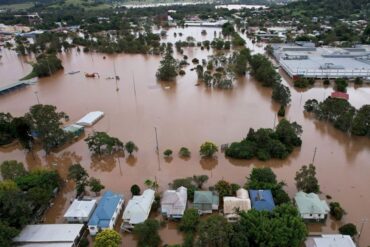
(173, 203)
(137, 210)
(233, 205)
(310, 206)
(205, 201)
(262, 200)
(80, 211)
(105, 214)
(331, 240)
(74, 129)
(91, 118)
(48, 235)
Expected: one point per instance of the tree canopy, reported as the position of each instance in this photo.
(107, 237)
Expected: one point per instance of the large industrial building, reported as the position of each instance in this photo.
(306, 60)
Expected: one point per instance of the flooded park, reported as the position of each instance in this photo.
(184, 114)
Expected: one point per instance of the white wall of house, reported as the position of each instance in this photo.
(115, 215)
(313, 216)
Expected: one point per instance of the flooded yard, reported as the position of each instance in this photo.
(184, 115)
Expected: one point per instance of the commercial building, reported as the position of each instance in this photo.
(306, 60)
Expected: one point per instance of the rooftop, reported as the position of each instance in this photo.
(333, 240)
(49, 235)
(310, 203)
(80, 208)
(138, 208)
(262, 200)
(105, 209)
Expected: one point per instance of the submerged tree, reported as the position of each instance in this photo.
(306, 179)
(95, 185)
(80, 176)
(12, 169)
(47, 125)
(147, 233)
(207, 149)
(101, 143)
(130, 147)
(168, 68)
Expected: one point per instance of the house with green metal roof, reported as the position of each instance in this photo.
(205, 201)
(310, 206)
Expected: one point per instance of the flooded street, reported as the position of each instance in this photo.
(185, 115)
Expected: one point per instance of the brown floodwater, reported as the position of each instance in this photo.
(185, 115)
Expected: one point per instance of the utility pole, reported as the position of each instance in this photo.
(157, 148)
(363, 221)
(115, 75)
(314, 155)
(37, 97)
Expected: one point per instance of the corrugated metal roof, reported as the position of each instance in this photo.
(138, 208)
(105, 209)
(262, 200)
(310, 203)
(203, 197)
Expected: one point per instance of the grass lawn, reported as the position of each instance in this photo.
(17, 6)
(83, 4)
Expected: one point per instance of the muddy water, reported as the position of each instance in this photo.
(187, 115)
(13, 67)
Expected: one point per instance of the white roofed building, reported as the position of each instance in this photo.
(138, 209)
(80, 211)
(90, 118)
(234, 204)
(330, 240)
(50, 235)
(173, 203)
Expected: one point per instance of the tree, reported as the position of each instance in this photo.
(265, 178)
(131, 147)
(22, 131)
(306, 179)
(135, 190)
(79, 175)
(95, 185)
(7, 233)
(361, 122)
(281, 94)
(151, 184)
(348, 229)
(101, 143)
(336, 210)
(207, 149)
(200, 180)
(184, 152)
(167, 69)
(189, 221)
(214, 231)
(281, 227)
(223, 188)
(107, 237)
(167, 153)
(6, 132)
(46, 123)
(11, 169)
(147, 233)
